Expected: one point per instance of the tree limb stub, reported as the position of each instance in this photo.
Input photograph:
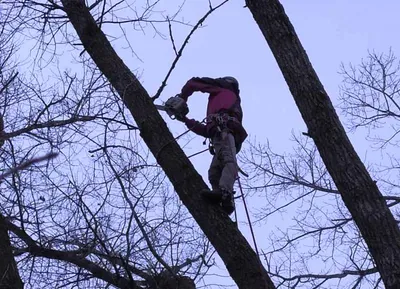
(240, 259)
(359, 192)
(9, 275)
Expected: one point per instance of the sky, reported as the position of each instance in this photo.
(332, 33)
(230, 43)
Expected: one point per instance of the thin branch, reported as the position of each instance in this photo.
(318, 230)
(179, 54)
(119, 261)
(341, 275)
(48, 124)
(187, 263)
(136, 217)
(172, 37)
(28, 164)
(8, 82)
(71, 257)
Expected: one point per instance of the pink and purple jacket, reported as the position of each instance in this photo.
(222, 98)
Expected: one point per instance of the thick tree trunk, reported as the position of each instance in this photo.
(9, 276)
(239, 258)
(359, 192)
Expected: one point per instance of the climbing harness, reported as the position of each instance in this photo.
(221, 120)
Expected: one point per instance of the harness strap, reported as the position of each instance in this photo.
(221, 118)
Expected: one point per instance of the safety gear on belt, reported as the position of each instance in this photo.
(221, 119)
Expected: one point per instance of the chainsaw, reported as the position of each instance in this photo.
(175, 107)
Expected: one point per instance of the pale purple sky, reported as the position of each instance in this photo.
(232, 44)
(331, 32)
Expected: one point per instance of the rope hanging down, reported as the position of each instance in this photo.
(241, 194)
(248, 218)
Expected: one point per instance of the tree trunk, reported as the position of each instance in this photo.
(9, 276)
(238, 256)
(359, 192)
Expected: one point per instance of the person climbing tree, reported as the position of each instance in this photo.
(224, 129)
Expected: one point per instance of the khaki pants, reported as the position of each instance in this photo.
(223, 169)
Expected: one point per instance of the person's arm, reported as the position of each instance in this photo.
(196, 127)
(203, 84)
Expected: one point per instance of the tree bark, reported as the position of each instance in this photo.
(239, 258)
(9, 275)
(359, 192)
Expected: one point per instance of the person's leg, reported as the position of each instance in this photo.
(227, 157)
(223, 171)
(214, 173)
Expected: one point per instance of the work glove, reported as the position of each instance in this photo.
(181, 118)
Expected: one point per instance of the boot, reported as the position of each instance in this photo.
(228, 202)
(213, 196)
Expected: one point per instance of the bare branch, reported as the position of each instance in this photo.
(341, 275)
(185, 42)
(28, 164)
(73, 258)
(49, 124)
(172, 37)
(12, 78)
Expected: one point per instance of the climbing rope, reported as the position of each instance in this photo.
(241, 194)
(245, 207)
(175, 139)
(198, 153)
(248, 218)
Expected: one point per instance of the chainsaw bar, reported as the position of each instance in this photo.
(166, 109)
(174, 107)
(161, 107)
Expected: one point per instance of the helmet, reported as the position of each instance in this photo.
(231, 80)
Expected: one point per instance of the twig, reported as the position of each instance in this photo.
(52, 123)
(316, 231)
(8, 82)
(27, 164)
(94, 4)
(307, 134)
(179, 54)
(172, 37)
(120, 261)
(187, 263)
